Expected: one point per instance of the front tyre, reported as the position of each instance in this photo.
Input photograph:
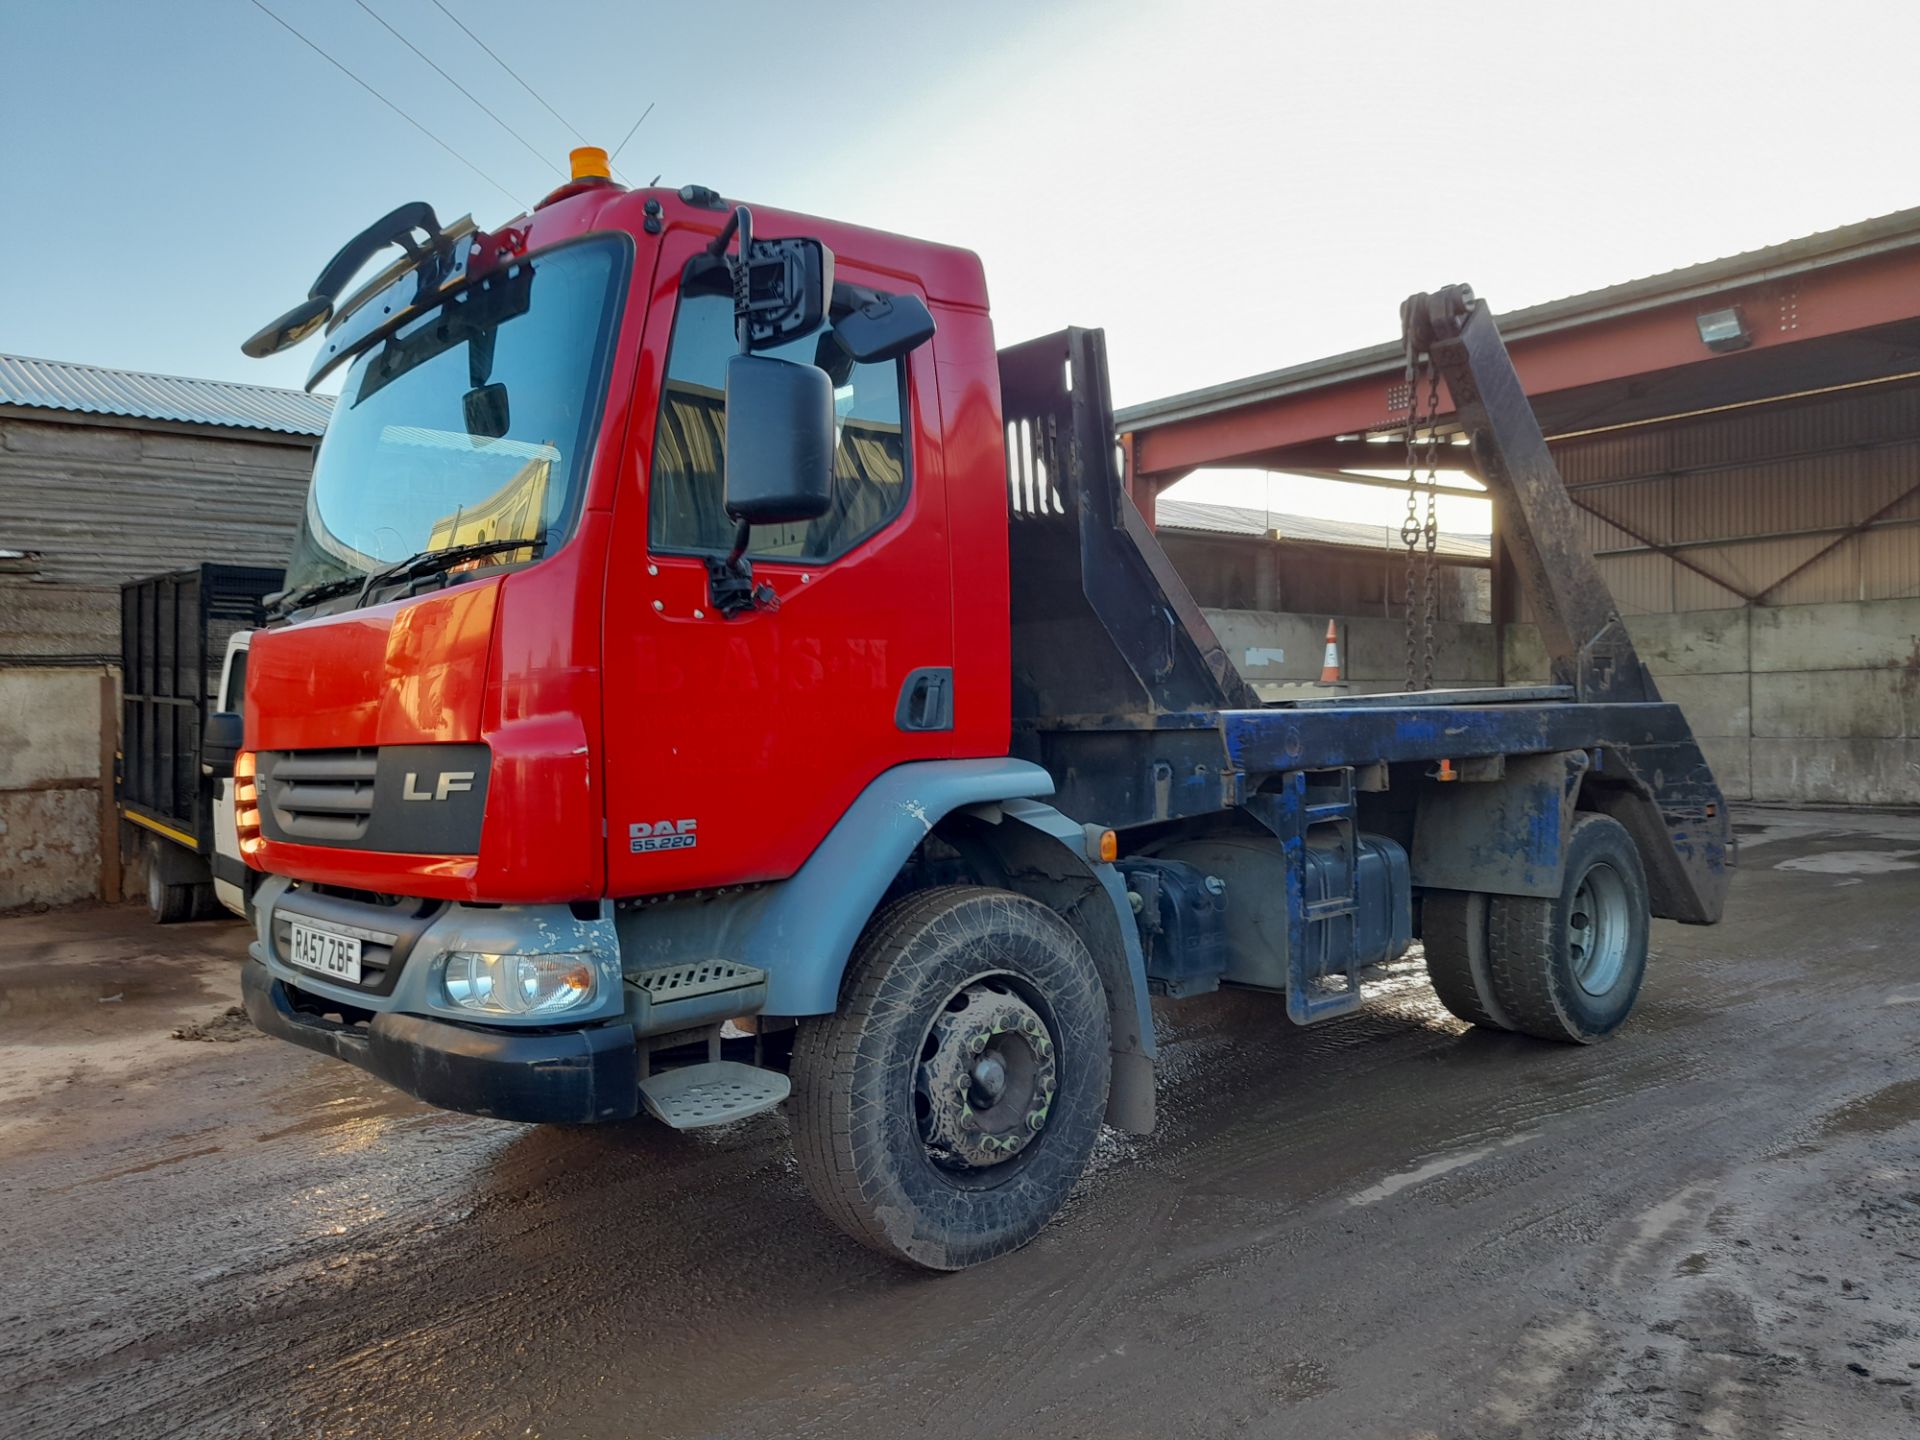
(944, 1112)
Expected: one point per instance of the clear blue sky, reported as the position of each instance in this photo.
(1226, 187)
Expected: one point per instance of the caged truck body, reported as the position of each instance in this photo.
(712, 675)
(183, 665)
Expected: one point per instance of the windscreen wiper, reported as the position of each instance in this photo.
(427, 562)
(432, 562)
(288, 601)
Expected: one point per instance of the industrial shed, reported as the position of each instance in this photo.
(106, 476)
(1270, 581)
(1741, 439)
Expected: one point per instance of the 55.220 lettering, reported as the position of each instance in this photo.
(643, 838)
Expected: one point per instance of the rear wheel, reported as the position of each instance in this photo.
(206, 902)
(170, 904)
(1453, 932)
(944, 1112)
(1569, 968)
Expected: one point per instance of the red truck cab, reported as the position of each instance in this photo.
(518, 677)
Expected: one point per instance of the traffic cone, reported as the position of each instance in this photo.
(1330, 667)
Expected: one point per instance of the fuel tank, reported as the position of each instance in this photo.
(1254, 869)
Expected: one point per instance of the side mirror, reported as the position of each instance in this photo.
(779, 440)
(781, 288)
(788, 285)
(485, 408)
(290, 329)
(885, 328)
(222, 741)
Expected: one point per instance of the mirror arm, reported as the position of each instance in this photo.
(740, 223)
(742, 533)
(730, 587)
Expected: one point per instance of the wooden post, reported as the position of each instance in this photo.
(109, 810)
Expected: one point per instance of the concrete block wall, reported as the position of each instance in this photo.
(1849, 674)
(1805, 704)
(49, 784)
(1280, 654)
(1701, 660)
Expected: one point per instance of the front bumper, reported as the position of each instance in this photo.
(540, 1077)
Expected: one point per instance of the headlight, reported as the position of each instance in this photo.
(518, 984)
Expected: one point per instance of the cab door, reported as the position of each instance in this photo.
(232, 880)
(733, 745)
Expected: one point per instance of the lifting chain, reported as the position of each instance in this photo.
(1422, 539)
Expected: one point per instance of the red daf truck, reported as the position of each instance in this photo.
(710, 672)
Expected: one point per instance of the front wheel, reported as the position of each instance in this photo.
(1569, 968)
(944, 1112)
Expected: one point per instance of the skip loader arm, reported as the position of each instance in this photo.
(1587, 645)
(1664, 793)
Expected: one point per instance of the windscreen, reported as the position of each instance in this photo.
(473, 424)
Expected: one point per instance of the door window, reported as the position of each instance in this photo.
(686, 509)
(234, 692)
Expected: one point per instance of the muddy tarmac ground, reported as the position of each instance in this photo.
(1388, 1226)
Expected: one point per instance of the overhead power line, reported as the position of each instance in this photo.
(630, 134)
(509, 69)
(544, 159)
(258, 5)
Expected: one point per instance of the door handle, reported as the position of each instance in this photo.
(926, 700)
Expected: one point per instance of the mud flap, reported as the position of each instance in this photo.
(1500, 837)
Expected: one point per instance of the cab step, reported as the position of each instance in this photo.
(712, 1093)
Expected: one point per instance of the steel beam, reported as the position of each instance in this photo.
(1857, 295)
(1860, 528)
(1669, 551)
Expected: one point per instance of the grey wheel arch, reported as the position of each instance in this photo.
(803, 930)
(1043, 854)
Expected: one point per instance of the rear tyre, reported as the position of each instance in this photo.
(1453, 931)
(944, 1112)
(170, 904)
(1570, 968)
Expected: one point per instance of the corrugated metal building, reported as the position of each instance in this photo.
(105, 476)
(1741, 439)
(1237, 557)
(1809, 502)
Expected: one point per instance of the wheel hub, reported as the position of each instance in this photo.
(1598, 921)
(987, 1076)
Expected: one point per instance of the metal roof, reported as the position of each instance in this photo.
(136, 395)
(1898, 231)
(1190, 516)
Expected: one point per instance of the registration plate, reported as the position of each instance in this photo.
(334, 955)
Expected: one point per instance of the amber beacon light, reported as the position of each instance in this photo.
(589, 163)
